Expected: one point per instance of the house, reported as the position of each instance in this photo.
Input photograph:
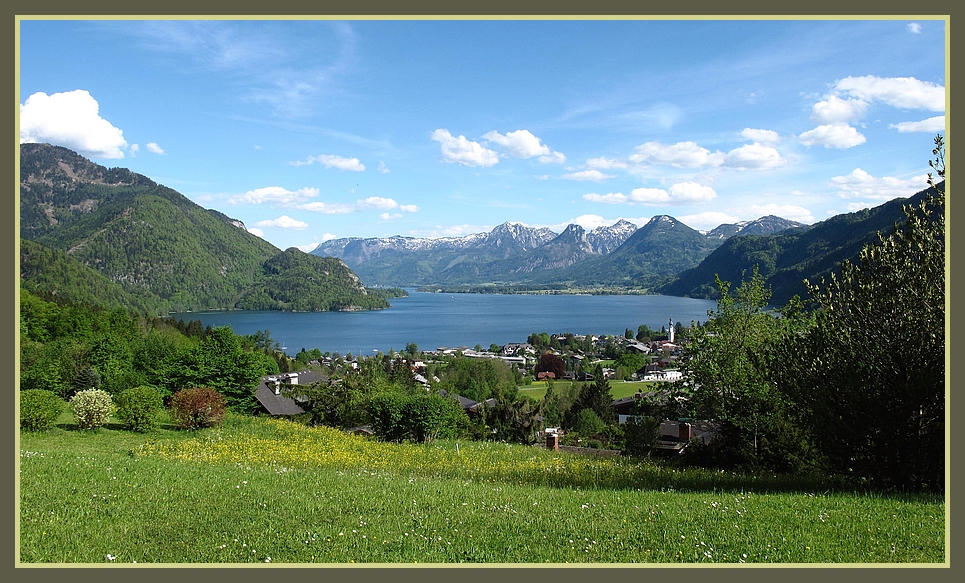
(270, 392)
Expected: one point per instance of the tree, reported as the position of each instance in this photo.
(729, 386)
(596, 397)
(869, 376)
(550, 362)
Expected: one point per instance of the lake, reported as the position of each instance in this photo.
(434, 320)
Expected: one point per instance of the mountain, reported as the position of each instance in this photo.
(658, 250)
(142, 236)
(763, 226)
(787, 258)
(605, 240)
(54, 272)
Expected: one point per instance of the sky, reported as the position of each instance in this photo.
(310, 130)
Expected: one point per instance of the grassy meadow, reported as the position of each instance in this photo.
(269, 491)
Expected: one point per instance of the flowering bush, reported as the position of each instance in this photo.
(39, 409)
(92, 408)
(138, 408)
(196, 408)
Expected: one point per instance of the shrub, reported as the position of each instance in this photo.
(39, 409)
(138, 408)
(92, 408)
(419, 418)
(588, 423)
(197, 408)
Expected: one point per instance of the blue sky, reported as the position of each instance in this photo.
(316, 129)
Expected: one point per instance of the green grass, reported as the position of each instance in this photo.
(256, 491)
(618, 389)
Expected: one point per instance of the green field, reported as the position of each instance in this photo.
(618, 389)
(257, 491)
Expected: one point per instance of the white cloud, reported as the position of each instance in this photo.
(854, 207)
(605, 163)
(860, 184)
(328, 237)
(753, 157)
(330, 161)
(376, 202)
(832, 136)
(462, 151)
(519, 144)
(594, 175)
(785, 211)
(71, 120)
(153, 147)
(690, 192)
(383, 169)
(834, 110)
(680, 155)
(256, 232)
(680, 193)
(708, 220)
(914, 27)
(301, 199)
(275, 195)
(762, 136)
(134, 149)
(389, 217)
(932, 124)
(554, 158)
(283, 222)
(903, 92)
(308, 161)
(307, 248)
(328, 208)
(452, 231)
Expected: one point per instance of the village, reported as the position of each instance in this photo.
(640, 363)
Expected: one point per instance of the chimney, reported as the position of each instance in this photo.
(685, 431)
(552, 439)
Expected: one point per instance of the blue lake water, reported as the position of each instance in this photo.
(433, 320)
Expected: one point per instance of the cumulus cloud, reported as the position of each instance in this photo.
(680, 193)
(594, 175)
(903, 92)
(389, 217)
(708, 220)
(462, 151)
(523, 144)
(786, 211)
(134, 150)
(753, 157)
(301, 199)
(854, 207)
(518, 144)
(283, 222)
(680, 155)
(256, 232)
(931, 125)
(761, 136)
(839, 136)
(275, 195)
(383, 169)
(834, 110)
(914, 27)
(72, 120)
(860, 184)
(153, 147)
(331, 161)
